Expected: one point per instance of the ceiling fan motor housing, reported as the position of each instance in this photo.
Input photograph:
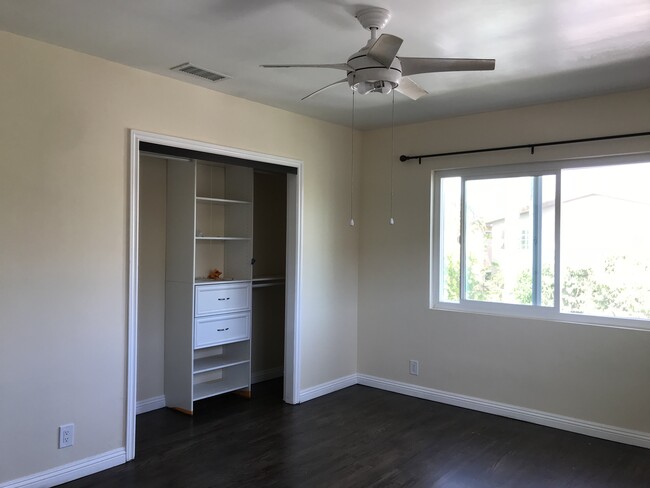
(367, 73)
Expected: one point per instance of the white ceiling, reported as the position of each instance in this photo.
(545, 50)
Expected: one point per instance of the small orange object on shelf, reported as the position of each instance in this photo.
(215, 274)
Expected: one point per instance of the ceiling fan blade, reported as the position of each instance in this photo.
(410, 88)
(342, 66)
(324, 88)
(414, 66)
(385, 49)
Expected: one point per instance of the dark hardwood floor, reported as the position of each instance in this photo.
(362, 437)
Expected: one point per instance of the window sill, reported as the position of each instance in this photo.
(541, 314)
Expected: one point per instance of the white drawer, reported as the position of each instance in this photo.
(221, 297)
(221, 329)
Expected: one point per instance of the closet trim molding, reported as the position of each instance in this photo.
(294, 262)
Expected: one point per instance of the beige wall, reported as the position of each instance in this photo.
(593, 373)
(64, 122)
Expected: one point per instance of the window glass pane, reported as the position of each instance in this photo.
(450, 239)
(498, 240)
(605, 238)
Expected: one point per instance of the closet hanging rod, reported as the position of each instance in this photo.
(163, 156)
(266, 285)
(532, 147)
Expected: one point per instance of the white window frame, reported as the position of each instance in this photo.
(514, 310)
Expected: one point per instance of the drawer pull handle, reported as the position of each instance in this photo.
(221, 330)
(222, 299)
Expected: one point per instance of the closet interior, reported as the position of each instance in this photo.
(211, 267)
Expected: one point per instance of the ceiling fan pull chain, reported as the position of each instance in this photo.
(391, 221)
(352, 168)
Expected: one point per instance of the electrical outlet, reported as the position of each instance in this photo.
(66, 435)
(414, 367)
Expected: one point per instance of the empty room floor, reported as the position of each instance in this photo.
(362, 437)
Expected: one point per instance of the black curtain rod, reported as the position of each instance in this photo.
(532, 147)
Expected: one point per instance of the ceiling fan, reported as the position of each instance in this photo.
(377, 68)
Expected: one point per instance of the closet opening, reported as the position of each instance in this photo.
(214, 275)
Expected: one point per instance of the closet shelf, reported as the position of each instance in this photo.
(218, 387)
(203, 365)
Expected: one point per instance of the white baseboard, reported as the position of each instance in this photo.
(267, 374)
(153, 403)
(329, 387)
(69, 472)
(601, 431)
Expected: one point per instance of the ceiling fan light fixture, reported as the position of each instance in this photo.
(380, 86)
(386, 88)
(363, 87)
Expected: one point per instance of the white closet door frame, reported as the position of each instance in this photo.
(294, 265)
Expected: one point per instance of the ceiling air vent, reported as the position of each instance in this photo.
(192, 70)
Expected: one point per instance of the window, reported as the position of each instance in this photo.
(566, 240)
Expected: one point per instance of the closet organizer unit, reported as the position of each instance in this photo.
(207, 321)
